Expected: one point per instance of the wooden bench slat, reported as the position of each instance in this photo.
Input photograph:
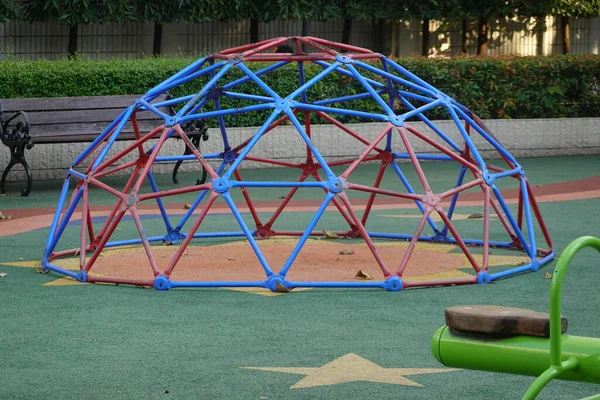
(500, 321)
(71, 103)
(105, 116)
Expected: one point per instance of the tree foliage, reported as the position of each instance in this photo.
(577, 8)
(9, 11)
(74, 12)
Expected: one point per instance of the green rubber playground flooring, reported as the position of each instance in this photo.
(106, 342)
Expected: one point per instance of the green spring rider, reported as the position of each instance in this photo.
(520, 341)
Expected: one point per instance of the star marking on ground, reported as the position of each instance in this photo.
(352, 368)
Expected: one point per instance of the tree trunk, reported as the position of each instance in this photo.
(566, 34)
(157, 42)
(425, 42)
(304, 31)
(465, 27)
(378, 36)
(394, 40)
(346, 31)
(482, 36)
(540, 30)
(253, 30)
(72, 45)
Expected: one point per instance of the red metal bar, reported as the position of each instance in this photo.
(376, 184)
(414, 160)
(441, 148)
(520, 208)
(458, 239)
(107, 188)
(355, 135)
(460, 188)
(104, 238)
(269, 129)
(365, 235)
(129, 148)
(116, 169)
(366, 152)
(211, 172)
(285, 201)
(245, 47)
(342, 46)
(351, 160)
(307, 130)
(272, 43)
(335, 201)
(190, 235)
(363, 188)
(249, 203)
(172, 192)
(84, 222)
(274, 162)
(145, 243)
(413, 241)
(318, 46)
(136, 131)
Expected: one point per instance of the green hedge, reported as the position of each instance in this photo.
(507, 87)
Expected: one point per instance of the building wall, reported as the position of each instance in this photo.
(134, 40)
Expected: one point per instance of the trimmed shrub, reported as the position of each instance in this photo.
(505, 87)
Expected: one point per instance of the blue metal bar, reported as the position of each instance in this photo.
(113, 137)
(523, 268)
(118, 243)
(483, 133)
(433, 93)
(72, 274)
(432, 126)
(59, 206)
(363, 284)
(248, 233)
(415, 96)
(313, 80)
(65, 220)
(421, 109)
(190, 68)
(352, 113)
(315, 184)
(198, 106)
(251, 144)
(391, 100)
(205, 89)
(468, 139)
(174, 101)
(258, 284)
(258, 81)
(100, 138)
(342, 71)
(181, 81)
(345, 98)
(479, 242)
(410, 75)
(511, 172)
(153, 109)
(310, 145)
(410, 190)
(240, 110)
(222, 128)
(328, 197)
(512, 221)
(459, 181)
(196, 202)
(527, 209)
(302, 80)
(257, 73)
(77, 174)
(436, 157)
(235, 95)
(159, 201)
(370, 89)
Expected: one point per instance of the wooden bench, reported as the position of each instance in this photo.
(36, 121)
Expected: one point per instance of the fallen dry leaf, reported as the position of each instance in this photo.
(346, 252)
(3, 274)
(281, 197)
(475, 216)
(20, 259)
(2, 194)
(279, 288)
(9, 217)
(363, 275)
(42, 271)
(2, 216)
(330, 235)
(187, 206)
(118, 229)
(547, 275)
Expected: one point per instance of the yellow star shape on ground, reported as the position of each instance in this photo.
(352, 368)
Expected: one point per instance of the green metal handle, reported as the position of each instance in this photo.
(555, 293)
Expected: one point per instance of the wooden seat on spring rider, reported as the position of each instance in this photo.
(520, 341)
